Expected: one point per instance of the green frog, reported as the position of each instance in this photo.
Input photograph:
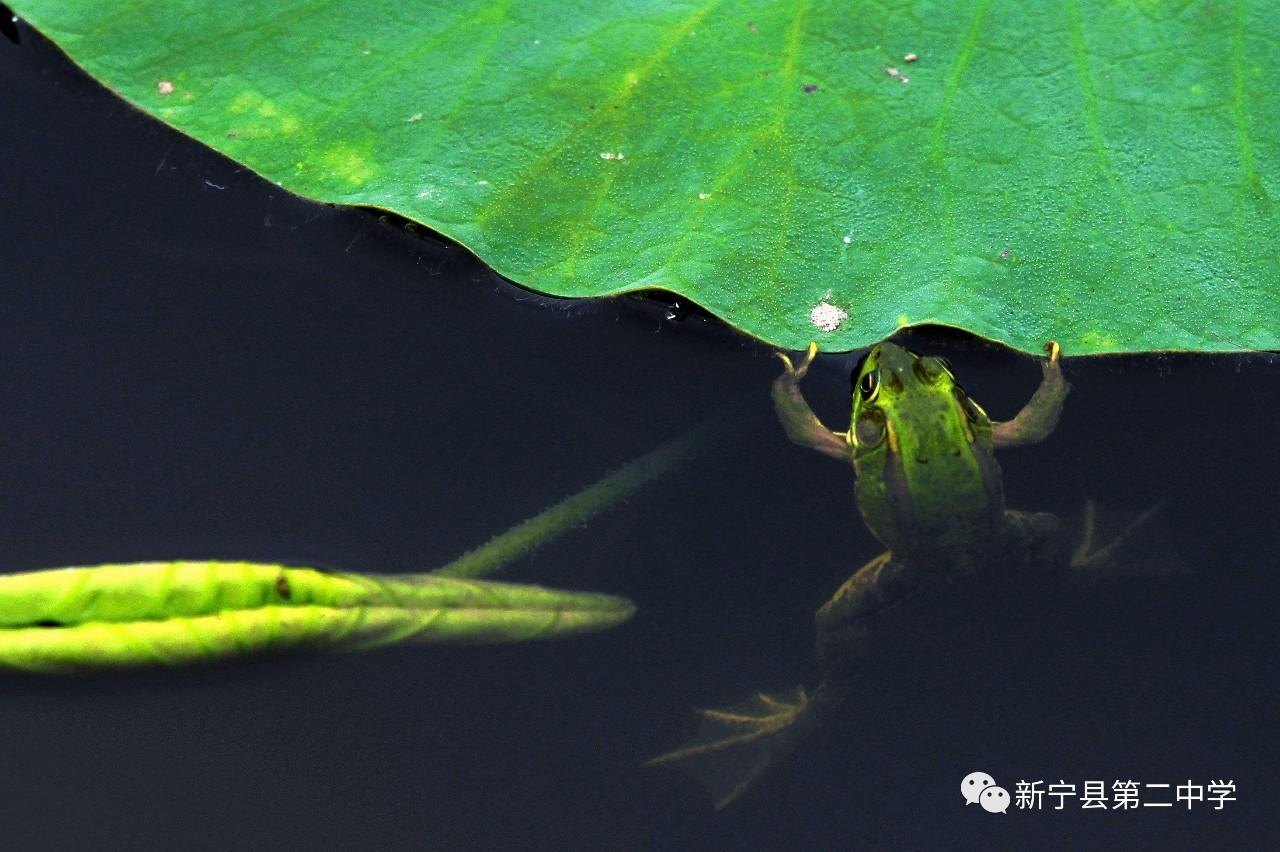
(928, 487)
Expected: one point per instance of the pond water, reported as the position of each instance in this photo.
(195, 364)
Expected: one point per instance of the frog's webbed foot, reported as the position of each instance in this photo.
(1086, 558)
(735, 746)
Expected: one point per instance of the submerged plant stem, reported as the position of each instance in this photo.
(581, 507)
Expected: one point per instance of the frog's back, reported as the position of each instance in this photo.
(934, 482)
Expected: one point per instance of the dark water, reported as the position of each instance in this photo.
(195, 364)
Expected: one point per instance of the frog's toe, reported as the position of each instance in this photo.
(797, 370)
(735, 746)
(1087, 557)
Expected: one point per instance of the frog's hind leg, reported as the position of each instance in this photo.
(736, 745)
(1086, 558)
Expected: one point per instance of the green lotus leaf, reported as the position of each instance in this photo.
(1097, 172)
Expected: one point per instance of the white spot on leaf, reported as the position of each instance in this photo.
(827, 316)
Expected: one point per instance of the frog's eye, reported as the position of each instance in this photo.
(971, 409)
(869, 385)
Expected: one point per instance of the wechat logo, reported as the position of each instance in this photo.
(981, 788)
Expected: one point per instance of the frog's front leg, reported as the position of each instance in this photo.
(1037, 418)
(803, 426)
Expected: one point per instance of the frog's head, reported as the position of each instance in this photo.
(896, 390)
(921, 447)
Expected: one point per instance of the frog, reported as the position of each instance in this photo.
(929, 488)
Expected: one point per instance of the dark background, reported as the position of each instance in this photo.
(194, 363)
